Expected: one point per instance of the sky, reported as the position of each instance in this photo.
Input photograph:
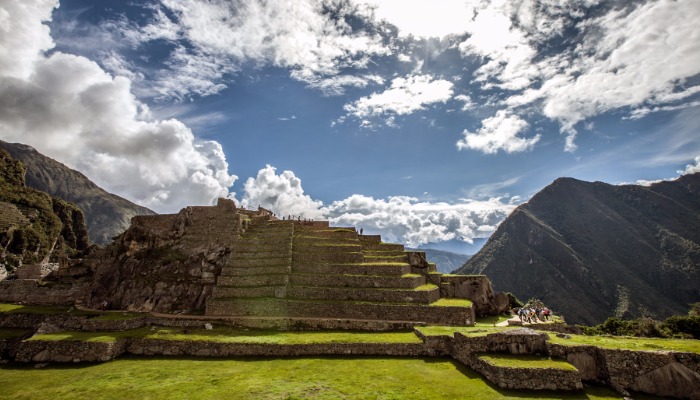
(427, 122)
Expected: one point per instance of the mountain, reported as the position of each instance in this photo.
(35, 228)
(107, 215)
(594, 250)
(446, 261)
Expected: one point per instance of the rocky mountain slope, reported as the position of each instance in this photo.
(594, 250)
(35, 228)
(107, 215)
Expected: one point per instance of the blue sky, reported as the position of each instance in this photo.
(426, 122)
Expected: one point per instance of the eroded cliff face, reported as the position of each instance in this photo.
(166, 263)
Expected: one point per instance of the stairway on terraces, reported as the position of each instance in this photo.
(310, 270)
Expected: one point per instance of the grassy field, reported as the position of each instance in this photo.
(255, 378)
(12, 333)
(630, 343)
(239, 335)
(51, 310)
(527, 361)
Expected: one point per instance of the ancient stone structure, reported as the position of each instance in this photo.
(227, 261)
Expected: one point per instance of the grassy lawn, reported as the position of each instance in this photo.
(483, 326)
(452, 303)
(256, 378)
(630, 343)
(17, 308)
(476, 330)
(526, 361)
(238, 335)
(11, 333)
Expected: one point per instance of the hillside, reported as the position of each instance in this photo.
(594, 250)
(34, 227)
(107, 215)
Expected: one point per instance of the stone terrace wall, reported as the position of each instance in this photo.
(80, 351)
(32, 292)
(527, 378)
(661, 373)
(87, 323)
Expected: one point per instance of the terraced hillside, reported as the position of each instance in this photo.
(298, 269)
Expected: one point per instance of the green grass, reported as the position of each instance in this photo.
(452, 303)
(118, 316)
(11, 333)
(630, 343)
(264, 378)
(427, 286)
(525, 361)
(238, 335)
(24, 309)
(436, 330)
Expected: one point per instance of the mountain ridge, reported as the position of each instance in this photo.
(107, 215)
(596, 250)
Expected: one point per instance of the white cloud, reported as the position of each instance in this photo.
(412, 222)
(420, 18)
(499, 132)
(691, 168)
(335, 85)
(398, 218)
(404, 96)
(468, 103)
(70, 109)
(636, 56)
(309, 37)
(282, 194)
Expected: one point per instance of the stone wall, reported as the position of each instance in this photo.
(90, 323)
(68, 351)
(661, 373)
(476, 288)
(351, 310)
(513, 341)
(81, 351)
(526, 378)
(34, 292)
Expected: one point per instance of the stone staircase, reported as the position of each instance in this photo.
(296, 269)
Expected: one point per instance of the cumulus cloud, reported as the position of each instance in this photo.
(398, 218)
(282, 194)
(413, 222)
(404, 96)
(500, 132)
(70, 109)
(691, 168)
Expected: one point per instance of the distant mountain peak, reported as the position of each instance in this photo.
(596, 250)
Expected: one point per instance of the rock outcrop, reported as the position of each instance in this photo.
(38, 233)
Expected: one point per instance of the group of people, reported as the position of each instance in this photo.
(534, 314)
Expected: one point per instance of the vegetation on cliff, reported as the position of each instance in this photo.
(44, 227)
(107, 215)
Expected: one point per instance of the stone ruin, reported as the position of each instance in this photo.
(229, 266)
(225, 261)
